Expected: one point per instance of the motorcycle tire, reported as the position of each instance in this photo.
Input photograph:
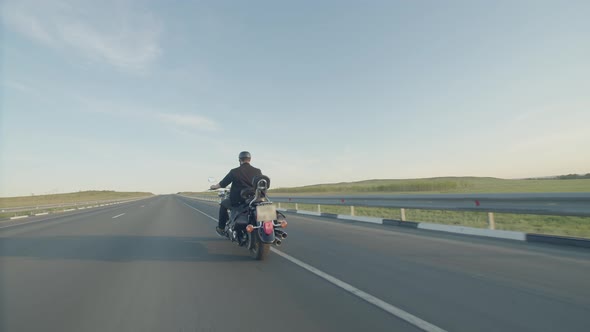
(258, 250)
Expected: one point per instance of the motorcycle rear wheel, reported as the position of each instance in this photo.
(258, 250)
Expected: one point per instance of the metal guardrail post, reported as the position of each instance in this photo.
(319, 208)
(352, 210)
(491, 221)
(296, 206)
(403, 214)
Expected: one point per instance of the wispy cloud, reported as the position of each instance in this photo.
(25, 23)
(188, 120)
(181, 122)
(127, 38)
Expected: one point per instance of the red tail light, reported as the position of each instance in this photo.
(268, 227)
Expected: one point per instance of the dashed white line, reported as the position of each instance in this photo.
(393, 310)
(117, 216)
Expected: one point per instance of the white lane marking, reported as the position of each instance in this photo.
(404, 315)
(117, 216)
(35, 221)
(395, 311)
(142, 206)
(201, 212)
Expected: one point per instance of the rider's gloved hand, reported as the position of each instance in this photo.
(215, 186)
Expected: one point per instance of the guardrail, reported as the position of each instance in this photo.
(557, 204)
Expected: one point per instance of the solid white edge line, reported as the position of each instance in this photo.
(395, 311)
(404, 315)
(117, 216)
(201, 212)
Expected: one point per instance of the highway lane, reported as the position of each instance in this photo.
(65, 215)
(456, 282)
(161, 267)
(158, 266)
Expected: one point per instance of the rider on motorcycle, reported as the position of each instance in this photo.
(240, 178)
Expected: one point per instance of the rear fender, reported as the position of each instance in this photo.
(266, 238)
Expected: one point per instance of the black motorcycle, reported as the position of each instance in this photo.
(256, 224)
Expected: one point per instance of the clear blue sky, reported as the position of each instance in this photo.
(160, 95)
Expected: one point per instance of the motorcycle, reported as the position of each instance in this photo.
(223, 193)
(256, 224)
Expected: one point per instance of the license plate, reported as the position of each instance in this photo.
(266, 212)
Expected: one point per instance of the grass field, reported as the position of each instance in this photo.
(445, 185)
(83, 196)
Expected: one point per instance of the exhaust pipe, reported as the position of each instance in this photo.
(278, 242)
(280, 234)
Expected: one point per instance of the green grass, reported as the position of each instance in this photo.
(553, 225)
(83, 196)
(443, 185)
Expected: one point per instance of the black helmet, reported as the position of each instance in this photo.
(244, 155)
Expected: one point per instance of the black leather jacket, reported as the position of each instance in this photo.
(240, 178)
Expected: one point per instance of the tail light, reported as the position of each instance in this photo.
(249, 228)
(283, 223)
(268, 227)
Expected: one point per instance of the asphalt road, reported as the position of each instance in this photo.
(157, 265)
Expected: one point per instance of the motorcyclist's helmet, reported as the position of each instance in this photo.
(244, 155)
